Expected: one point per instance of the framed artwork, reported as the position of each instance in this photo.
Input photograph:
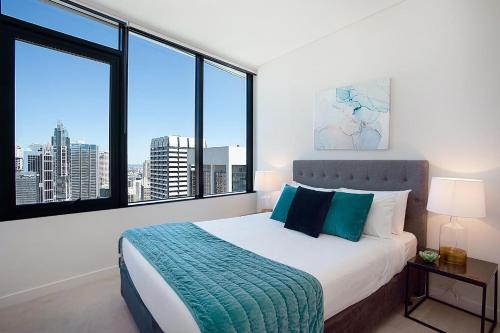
(353, 117)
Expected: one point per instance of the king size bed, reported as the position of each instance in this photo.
(350, 285)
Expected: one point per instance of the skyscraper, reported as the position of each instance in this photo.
(61, 147)
(39, 159)
(169, 167)
(103, 174)
(146, 180)
(224, 169)
(84, 171)
(26, 188)
(19, 158)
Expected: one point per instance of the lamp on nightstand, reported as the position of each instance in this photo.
(456, 197)
(266, 182)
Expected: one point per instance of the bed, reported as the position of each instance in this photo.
(365, 282)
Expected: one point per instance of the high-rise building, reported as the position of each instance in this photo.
(103, 174)
(61, 146)
(146, 180)
(39, 159)
(26, 188)
(84, 171)
(169, 167)
(19, 158)
(224, 169)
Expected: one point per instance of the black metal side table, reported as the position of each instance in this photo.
(476, 272)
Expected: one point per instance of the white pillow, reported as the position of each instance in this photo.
(401, 198)
(295, 184)
(321, 189)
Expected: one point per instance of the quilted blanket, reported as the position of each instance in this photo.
(227, 288)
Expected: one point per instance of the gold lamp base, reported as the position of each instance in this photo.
(453, 255)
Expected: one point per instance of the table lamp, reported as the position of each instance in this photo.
(456, 197)
(266, 182)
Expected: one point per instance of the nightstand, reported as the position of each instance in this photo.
(475, 272)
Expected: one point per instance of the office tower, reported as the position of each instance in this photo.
(169, 167)
(103, 174)
(146, 180)
(239, 178)
(84, 171)
(39, 159)
(26, 188)
(19, 158)
(61, 146)
(224, 169)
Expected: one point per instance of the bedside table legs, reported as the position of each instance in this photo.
(483, 318)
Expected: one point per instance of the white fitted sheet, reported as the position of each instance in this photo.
(347, 271)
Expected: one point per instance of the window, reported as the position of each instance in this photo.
(224, 129)
(161, 119)
(58, 141)
(54, 16)
(97, 115)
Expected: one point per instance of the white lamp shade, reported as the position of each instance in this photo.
(457, 197)
(266, 181)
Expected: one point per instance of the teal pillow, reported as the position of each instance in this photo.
(280, 212)
(347, 215)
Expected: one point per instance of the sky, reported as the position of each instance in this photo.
(53, 86)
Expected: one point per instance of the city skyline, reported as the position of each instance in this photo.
(65, 170)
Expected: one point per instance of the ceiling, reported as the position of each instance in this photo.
(245, 32)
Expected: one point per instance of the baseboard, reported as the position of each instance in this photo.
(463, 302)
(59, 285)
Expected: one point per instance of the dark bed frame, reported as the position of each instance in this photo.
(381, 175)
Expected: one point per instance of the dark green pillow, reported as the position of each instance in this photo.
(347, 215)
(280, 212)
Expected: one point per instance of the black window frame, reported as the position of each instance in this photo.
(12, 29)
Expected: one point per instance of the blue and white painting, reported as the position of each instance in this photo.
(353, 117)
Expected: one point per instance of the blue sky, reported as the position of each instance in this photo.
(52, 86)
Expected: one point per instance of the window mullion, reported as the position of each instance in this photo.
(199, 126)
(7, 125)
(249, 143)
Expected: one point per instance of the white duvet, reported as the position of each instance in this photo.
(347, 271)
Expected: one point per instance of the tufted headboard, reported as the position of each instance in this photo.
(375, 175)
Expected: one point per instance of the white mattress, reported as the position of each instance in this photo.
(347, 271)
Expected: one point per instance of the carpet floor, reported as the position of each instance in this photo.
(98, 307)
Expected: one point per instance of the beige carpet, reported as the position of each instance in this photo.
(98, 307)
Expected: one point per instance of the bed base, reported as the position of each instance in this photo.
(363, 316)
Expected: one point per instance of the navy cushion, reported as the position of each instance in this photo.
(308, 211)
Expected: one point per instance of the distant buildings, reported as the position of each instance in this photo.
(64, 170)
(84, 171)
(173, 172)
(61, 147)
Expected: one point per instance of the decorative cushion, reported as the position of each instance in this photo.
(308, 211)
(280, 211)
(347, 215)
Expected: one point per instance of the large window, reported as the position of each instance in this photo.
(97, 115)
(224, 129)
(161, 121)
(62, 125)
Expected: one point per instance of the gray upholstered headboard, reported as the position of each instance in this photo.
(382, 175)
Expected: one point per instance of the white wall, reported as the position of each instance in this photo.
(35, 253)
(444, 61)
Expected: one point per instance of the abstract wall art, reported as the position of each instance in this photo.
(353, 117)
